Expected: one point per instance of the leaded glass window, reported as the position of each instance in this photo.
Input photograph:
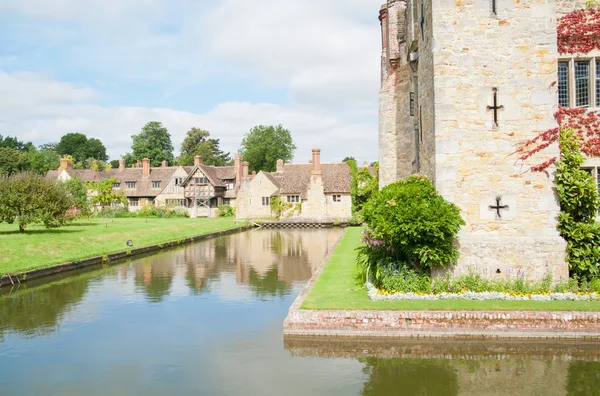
(563, 84)
(582, 83)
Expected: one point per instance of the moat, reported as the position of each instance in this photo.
(207, 319)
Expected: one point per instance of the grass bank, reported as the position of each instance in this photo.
(338, 289)
(42, 248)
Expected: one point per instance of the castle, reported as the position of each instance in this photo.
(463, 83)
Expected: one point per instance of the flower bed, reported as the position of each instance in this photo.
(378, 295)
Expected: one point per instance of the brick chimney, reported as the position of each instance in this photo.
(198, 160)
(121, 165)
(146, 167)
(280, 166)
(138, 164)
(237, 167)
(164, 164)
(65, 163)
(245, 166)
(316, 161)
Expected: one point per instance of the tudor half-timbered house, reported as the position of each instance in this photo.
(208, 187)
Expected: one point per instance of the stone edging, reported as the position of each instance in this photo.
(469, 325)
(38, 273)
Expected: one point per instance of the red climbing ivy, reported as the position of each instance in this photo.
(579, 31)
(586, 124)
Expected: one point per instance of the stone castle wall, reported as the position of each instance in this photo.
(426, 96)
(516, 52)
(566, 6)
(396, 145)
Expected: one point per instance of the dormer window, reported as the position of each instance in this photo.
(155, 184)
(130, 185)
(117, 185)
(200, 180)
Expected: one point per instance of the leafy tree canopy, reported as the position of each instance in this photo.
(103, 193)
(198, 142)
(154, 143)
(264, 145)
(349, 159)
(14, 143)
(78, 146)
(27, 198)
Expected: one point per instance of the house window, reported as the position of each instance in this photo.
(200, 180)
(175, 202)
(293, 198)
(249, 201)
(155, 184)
(226, 201)
(134, 202)
(130, 185)
(563, 84)
(597, 82)
(337, 198)
(582, 84)
(266, 201)
(116, 185)
(178, 181)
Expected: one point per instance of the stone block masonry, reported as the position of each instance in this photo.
(445, 324)
(462, 87)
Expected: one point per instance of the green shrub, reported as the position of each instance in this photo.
(147, 211)
(578, 196)
(356, 220)
(405, 281)
(226, 211)
(411, 228)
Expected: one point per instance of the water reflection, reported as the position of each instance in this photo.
(206, 318)
(258, 264)
(465, 368)
(33, 312)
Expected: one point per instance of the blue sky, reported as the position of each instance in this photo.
(106, 67)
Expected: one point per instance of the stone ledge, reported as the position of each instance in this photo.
(38, 273)
(469, 325)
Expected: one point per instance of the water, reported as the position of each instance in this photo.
(206, 319)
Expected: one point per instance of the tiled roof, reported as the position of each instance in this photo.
(52, 174)
(295, 178)
(143, 186)
(225, 172)
(85, 174)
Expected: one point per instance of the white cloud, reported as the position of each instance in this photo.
(324, 54)
(46, 109)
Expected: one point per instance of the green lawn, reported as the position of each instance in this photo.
(338, 288)
(40, 248)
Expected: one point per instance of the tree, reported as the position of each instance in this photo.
(73, 144)
(198, 142)
(96, 150)
(154, 143)
(81, 148)
(349, 159)
(14, 143)
(78, 191)
(27, 198)
(11, 161)
(42, 160)
(264, 145)
(103, 194)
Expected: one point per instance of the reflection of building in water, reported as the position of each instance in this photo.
(454, 367)
(273, 255)
(154, 275)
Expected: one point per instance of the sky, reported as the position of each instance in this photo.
(106, 67)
